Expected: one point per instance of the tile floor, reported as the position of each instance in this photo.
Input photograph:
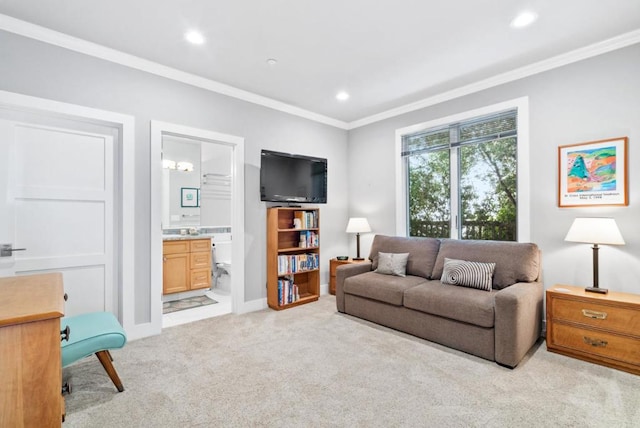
(190, 315)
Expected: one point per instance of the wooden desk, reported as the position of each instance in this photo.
(30, 357)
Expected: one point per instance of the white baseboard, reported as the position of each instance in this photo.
(324, 289)
(253, 305)
(260, 304)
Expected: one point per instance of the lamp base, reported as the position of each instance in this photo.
(358, 258)
(596, 290)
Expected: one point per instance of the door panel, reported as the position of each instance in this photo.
(54, 159)
(59, 206)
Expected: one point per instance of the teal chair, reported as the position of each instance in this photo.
(93, 333)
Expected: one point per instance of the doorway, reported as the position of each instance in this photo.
(161, 215)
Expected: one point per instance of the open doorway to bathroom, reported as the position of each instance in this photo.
(196, 213)
(199, 193)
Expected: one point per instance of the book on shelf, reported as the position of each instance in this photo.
(308, 239)
(287, 291)
(297, 263)
(308, 219)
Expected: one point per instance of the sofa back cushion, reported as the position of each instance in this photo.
(422, 252)
(515, 261)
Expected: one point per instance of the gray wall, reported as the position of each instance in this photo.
(590, 100)
(594, 99)
(38, 69)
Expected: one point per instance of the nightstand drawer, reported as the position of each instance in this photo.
(593, 342)
(616, 319)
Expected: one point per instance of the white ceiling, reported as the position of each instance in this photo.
(385, 53)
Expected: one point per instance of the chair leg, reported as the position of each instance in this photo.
(103, 356)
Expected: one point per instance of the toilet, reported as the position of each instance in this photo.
(221, 255)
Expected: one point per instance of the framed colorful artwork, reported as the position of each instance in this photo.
(593, 173)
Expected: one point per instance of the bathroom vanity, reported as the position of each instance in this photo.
(186, 264)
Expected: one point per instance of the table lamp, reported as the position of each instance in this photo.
(596, 231)
(358, 225)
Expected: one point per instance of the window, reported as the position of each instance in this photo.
(463, 177)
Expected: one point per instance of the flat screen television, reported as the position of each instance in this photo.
(290, 178)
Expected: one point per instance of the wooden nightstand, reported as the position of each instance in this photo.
(333, 264)
(599, 328)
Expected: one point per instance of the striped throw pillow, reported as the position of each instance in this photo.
(468, 274)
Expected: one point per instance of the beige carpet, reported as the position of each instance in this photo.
(313, 367)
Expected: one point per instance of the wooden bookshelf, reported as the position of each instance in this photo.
(293, 257)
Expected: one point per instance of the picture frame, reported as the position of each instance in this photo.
(594, 173)
(189, 197)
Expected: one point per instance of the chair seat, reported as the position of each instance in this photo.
(91, 333)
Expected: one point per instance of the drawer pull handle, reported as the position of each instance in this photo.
(595, 342)
(594, 314)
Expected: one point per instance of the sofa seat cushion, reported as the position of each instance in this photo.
(449, 301)
(384, 288)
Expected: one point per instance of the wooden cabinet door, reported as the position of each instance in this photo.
(175, 273)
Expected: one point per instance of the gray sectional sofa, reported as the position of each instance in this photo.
(500, 325)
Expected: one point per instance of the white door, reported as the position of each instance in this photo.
(56, 202)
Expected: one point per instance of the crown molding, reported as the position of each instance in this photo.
(614, 43)
(36, 32)
(46, 35)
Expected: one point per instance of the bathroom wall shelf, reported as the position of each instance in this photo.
(284, 243)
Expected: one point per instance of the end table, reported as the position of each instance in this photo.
(333, 264)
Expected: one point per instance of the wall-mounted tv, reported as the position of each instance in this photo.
(290, 178)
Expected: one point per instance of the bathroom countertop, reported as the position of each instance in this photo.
(187, 237)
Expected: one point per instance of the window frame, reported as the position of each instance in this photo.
(523, 182)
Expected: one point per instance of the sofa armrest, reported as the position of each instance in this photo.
(518, 322)
(343, 272)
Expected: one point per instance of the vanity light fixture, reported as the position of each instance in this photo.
(185, 166)
(194, 37)
(168, 164)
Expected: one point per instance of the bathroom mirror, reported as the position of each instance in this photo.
(196, 183)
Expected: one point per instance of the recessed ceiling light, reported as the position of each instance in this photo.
(272, 61)
(194, 37)
(342, 96)
(524, 19)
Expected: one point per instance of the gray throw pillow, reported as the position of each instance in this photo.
(468, 274)
(392, 263)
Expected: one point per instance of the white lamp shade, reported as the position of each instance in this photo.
(595, 230)
(358, 225)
